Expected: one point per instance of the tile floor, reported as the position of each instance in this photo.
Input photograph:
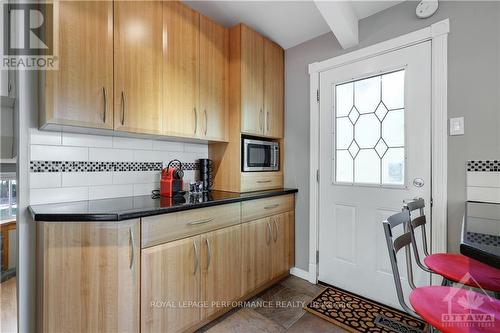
(285, 315)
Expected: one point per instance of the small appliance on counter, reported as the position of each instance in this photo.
(172, 183)
(259, 155)
(206, 174)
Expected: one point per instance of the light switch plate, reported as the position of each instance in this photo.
(457, 126)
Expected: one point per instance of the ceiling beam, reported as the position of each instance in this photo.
(342, 20)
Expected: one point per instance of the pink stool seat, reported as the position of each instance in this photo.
(455, 310)
(460, 268)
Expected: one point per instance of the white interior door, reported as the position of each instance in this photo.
(375, 153)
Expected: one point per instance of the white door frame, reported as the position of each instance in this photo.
(437, 33)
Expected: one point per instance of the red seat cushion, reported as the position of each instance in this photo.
(460, 268)
(456, 310)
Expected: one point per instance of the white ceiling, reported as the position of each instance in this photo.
(288, 23)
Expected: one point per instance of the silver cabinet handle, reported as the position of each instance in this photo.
(206, 122)
(209, 252)
(267, 121)
(261, 114)
(272, 206)
(196, 257)
(195, 120)
(277, 230)
(200, 221)
(263, 181)
(270, 232)
(131, 242)
(123, 108)
(105, 94)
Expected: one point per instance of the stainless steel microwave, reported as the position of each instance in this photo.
(260, 155)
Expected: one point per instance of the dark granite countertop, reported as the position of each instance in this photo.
(119, 209)
(481, 232)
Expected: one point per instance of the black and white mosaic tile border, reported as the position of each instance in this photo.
(486, 165)
(84, 166)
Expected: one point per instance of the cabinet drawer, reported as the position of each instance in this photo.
(257, 181)
(256, 209)
(168, 227)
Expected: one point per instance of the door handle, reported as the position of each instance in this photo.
(131, 243)
(261, 114)
(267, 121)
(272, 206)
(123, 108)
(196, 257)
(418, 182)
(277, 230)
(206, 121)
(105, 94)
(263, 181)
(195, 121)
(200, 221)
(270, 232)
(209, 253)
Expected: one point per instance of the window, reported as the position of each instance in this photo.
(370, 130)
(8, 199)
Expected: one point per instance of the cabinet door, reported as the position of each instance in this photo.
(170, 280)
(221, 260)
(273, 89)
(89, 276)
(182, 116)
(80, 93)
(252, 81)
(283, 243)
(214, 44)
(138, 66)
(256, 254)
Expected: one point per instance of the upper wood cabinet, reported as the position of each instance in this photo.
(88, 276)
(274, 77)
(138, 66)
(80, 92)
(252, 78)
(181, 51)
(259, 64)
(214, 67)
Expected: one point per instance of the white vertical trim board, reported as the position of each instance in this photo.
(438, 35)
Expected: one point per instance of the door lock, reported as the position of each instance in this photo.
(418, 182)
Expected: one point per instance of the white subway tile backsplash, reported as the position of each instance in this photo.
(110, 191)
(132, 143)
(86, 178)
(168, 145)
(145, 189)
(151, 156)
(60, 194)
(45, 179)
(135, 177)
(196, 148)
(59, 153)
(85, 140)
(110, 155)
(44, 137)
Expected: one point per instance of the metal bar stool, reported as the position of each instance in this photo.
(440, 305)
(451, 266)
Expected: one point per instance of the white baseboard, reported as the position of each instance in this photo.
(300, 273)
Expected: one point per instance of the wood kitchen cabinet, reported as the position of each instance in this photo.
(214, 80)
(260, 66)
(88, 276)
(138, 50)
(170, 279)
(181, 66)
(80, 92)
(221, 274)
(283, 249)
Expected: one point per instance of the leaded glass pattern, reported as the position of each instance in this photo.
(370, 130)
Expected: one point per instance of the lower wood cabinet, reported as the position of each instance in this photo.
(88, 276)
(170, 279)
(268, 249)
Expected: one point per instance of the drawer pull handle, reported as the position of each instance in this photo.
(196, 257)
(263, 181)
(200, 222)
(131, 243)
(272, 206)
(277, 230)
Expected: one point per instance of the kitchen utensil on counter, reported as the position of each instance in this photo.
(206, 173)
